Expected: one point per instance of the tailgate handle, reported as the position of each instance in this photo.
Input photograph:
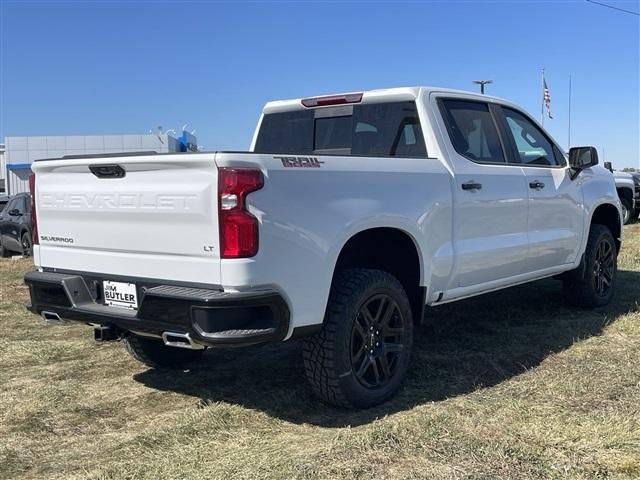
(107, 171)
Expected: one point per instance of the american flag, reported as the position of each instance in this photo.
(546, 97)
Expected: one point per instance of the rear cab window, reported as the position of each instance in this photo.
(379, 129)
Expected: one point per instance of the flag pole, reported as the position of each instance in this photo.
(542, 99)
(569, 133)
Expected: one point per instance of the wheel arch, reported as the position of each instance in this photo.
(393, 250)
(608, 214)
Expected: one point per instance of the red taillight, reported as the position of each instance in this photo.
(238, 228)
(332, 100)
(34, 218)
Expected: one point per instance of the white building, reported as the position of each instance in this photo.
(20, 152)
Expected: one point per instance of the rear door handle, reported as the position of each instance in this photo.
(471, 186)
(536, 185)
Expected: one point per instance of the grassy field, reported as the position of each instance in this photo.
(508, 385)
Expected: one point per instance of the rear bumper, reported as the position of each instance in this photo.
(211, 317)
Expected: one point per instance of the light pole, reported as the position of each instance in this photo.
(482, 83)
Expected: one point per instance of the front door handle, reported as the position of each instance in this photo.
(536, 185)
(471, 186)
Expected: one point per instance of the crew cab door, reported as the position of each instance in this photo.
(555, 200)
(490, 196)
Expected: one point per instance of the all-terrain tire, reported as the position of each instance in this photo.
(27, 248)
(330, 357)
(627, 211)
(4, 253)
(154, 353)
(581, 287)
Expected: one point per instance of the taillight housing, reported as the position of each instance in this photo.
(238, 228)
(35, 239)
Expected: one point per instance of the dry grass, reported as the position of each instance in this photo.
(509, 385)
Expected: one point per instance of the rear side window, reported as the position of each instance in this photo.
(381, 130)
(472, 130)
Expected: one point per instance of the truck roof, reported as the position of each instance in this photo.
(380, 95)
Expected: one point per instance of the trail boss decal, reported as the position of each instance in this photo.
(300, 162)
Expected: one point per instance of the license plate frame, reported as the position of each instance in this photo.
(120, 294)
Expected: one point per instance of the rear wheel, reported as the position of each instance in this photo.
(154, 353)
(360, 357)
(592, 284)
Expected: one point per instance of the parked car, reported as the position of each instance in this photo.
(626, 188)
(15, 226)
(348, 216)
(636, 183)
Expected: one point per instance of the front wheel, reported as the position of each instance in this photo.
(626, 211)
(592, 285)
(4, 253)
(360, 357)
(27, 249)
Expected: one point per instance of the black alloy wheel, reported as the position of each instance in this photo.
(592, 284)
(603, 267)
(377, 341)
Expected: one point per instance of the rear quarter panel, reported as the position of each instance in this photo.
(308, 214)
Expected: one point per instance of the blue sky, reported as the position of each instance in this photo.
(107, 67)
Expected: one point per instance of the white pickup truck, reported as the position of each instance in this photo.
(348, 216)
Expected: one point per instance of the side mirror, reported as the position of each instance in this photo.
(14, 212)
(581, 158)
(608, 166)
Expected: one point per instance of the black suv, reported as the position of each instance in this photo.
(15, 226)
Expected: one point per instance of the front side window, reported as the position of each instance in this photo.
(534, 148)
(26, 205)
(11, 205)
(379, 129)
(472, 130)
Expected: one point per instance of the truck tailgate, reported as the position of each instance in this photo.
(158, 221)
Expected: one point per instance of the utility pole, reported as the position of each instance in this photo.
(569, 133)
(482, 83)
(542, 99)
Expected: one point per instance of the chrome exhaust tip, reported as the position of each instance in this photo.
(52, 318)
(180, 340)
